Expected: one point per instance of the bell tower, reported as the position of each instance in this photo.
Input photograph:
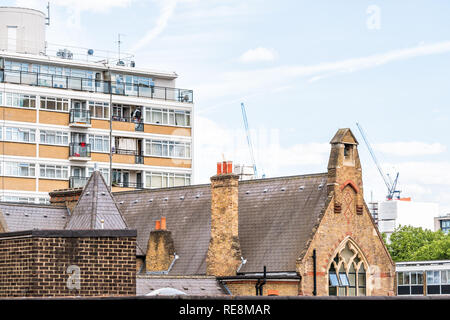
(344, 173)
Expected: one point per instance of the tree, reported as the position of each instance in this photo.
(409, 243)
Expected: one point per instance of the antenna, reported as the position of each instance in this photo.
(118, 47)
(48, 14)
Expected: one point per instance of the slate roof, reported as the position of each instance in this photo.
(193, 286)
(22, 216)
(276, 217)
(96, 208)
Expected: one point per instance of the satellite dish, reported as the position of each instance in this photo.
(90, 52)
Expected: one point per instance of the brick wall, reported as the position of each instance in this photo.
(68, 263)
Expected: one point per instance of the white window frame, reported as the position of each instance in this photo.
(62, 135)
(16, 168)
(61, 104)
(168, 148)
(93, 105)
(93, 138)
(15, 134)
(16, 100)
(167, 179)
(168, 117)
(46, 169)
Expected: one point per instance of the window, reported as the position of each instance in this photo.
(54, 137)
(445, 226)
(99, 143)
(20, 135)
(19, 169)
(103, 171)
(166, 179)
(172, 149)
(58, 104)
(20, 100)
(53, 171)
(167, 117)
(99, 110)
(350, 280)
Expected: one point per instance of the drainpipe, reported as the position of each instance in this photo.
(314, 273)
(260, 284)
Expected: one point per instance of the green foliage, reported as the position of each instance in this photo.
(408, 243)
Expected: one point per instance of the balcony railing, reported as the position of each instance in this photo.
(80, 116)
(93, 85)
(138, 156)
(79, 149)
(77, 182)
(122, 184)
(139, 123)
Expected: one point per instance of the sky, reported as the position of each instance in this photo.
(303, 69)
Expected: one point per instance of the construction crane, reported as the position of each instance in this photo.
(249, 141)
(391, 185)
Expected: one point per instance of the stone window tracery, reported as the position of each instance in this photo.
(347, 273)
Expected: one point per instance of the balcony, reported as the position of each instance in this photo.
(80, 118)
(79, 151)
(123, 184)
(93, 85)
(77, 182)
(138, 156)
(138, 123)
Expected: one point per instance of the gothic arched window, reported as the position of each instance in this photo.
(347, 274)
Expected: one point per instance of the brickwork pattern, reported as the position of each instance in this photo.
(247, 288)
(346, 218)
(36, 266)
(224, 253)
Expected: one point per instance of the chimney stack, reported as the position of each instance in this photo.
(160, 249)
(224, 253)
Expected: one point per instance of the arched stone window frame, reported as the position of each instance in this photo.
(358, 260)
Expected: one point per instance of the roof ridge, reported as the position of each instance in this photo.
(24, 204)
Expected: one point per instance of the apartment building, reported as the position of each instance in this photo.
(61, 116)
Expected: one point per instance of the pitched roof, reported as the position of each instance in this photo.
(194, 286)
(276, 217)
(96, 208)
(344, 135)
(22, 216)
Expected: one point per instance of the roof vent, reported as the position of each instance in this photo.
(45, 216)
(26, 214)
(182, 198)
(87, 193)
(265, 190)
(320, 186)
(7, 213)
(301, 188)
(283, 189)
(166, 198)
(121, 202)
(136, 201)
(150, 200)
(197, 195)
(247, 192)
(103, 193)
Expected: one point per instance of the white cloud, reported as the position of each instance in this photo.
(259, 54)
(239, 82)
(167, 9)
(213, 142)
(76, 5)
(413, 148)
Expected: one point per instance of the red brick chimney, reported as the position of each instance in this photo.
(224, 253)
